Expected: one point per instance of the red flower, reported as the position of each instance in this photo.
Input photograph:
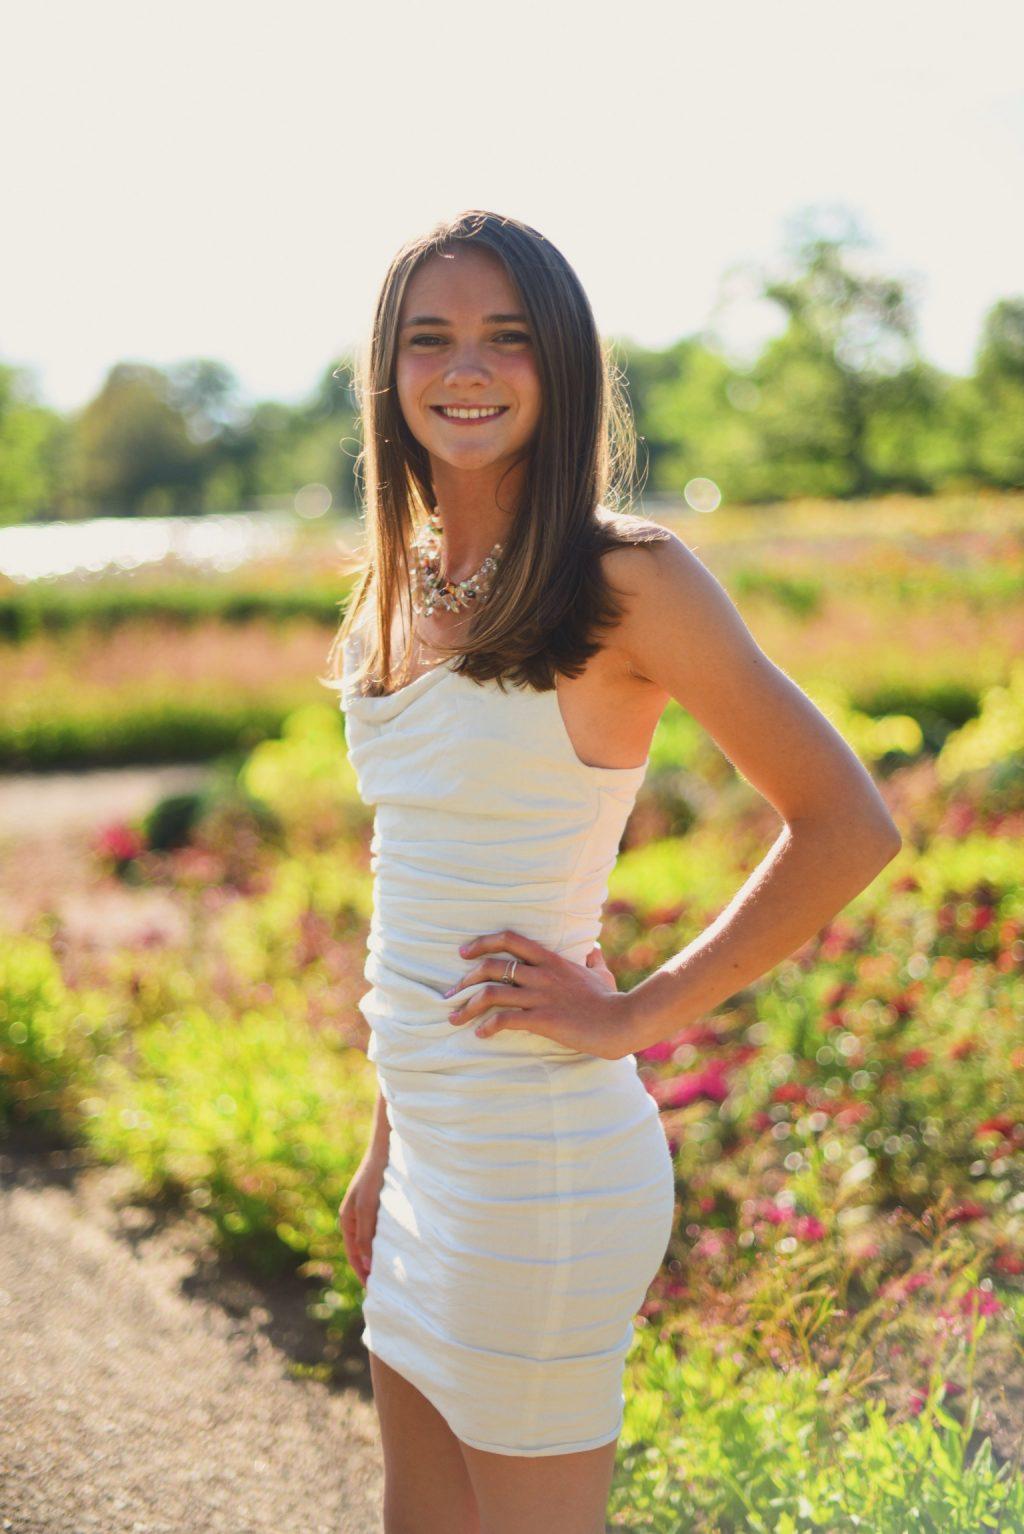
(970, 1209)
(789, 1092)
(851, 1113)
(916, 1057)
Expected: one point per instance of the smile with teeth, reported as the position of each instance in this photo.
(469, 413)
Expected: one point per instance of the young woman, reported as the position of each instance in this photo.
(516, 1198)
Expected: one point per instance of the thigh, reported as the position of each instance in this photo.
(544, 1493)
(427, 1489)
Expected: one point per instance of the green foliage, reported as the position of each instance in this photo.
(171, 820)
(715, 1445)
(260, 1122)
(59, 608)
(992, 745)
(48, 1035)
(262, 937)
(175, 819)
(258, 1119)
(116, 731)
(305, 769)
(32, 441)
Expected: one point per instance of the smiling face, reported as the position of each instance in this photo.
(467, 377)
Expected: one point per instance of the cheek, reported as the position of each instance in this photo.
(412, 374)
(523, 377)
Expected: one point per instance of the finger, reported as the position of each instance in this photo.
(505, 941)
(489, 996)
(503, 1021)
(488, 969)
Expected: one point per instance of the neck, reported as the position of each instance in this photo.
(470, 515)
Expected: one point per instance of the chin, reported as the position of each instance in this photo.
(471, 458)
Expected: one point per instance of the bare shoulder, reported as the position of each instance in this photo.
(681, 631)
(658, 568)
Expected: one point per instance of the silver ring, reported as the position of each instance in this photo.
(508, 978)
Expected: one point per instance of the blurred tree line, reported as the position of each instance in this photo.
(839, 403)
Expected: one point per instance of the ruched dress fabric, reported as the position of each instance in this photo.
(528, 1197)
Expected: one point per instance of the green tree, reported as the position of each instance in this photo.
(849, 334)
(999, 377)
(32, 440)
(131, 449)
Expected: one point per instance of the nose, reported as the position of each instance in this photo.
(466, 365)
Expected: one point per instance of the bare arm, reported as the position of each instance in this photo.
(380, 1134)
(683, 633)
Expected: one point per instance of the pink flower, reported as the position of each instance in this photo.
(694, 1086)
(120, 842)
(807, 1227)
(772, 1212)
(988, 1305)
(919, 1396)
(658, 1052)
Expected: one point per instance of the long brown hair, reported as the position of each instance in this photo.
(551, 592)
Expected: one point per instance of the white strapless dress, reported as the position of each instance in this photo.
(528, 1198)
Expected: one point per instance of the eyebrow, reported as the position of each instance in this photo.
(489, 319)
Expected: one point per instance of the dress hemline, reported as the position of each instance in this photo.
(542, 1451)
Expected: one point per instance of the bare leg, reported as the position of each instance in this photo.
(427, 1489)
(544, 1493)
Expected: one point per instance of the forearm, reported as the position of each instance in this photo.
(810, 873)
(380, 1134)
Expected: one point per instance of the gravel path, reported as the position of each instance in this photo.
(148, 1388)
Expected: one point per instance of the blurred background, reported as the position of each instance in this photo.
(802, 234)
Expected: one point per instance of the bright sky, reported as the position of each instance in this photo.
(230, 178)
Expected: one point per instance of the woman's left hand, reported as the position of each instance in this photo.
(577, 1005)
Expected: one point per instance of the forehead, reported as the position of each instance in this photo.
(466, 282)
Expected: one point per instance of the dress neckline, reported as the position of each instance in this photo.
(383, 707)
(388, 705)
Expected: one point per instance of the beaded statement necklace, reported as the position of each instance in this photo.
(432, 589)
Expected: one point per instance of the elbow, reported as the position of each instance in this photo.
(886, 840)
(876, 839)
(893, 846)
